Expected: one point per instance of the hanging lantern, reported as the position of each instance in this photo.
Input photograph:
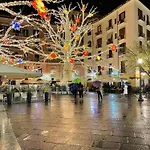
(15, 25)
(52, 55)
(113, 47)
(66, 47)
(78, 20)
(73, 28)
(19, 61)
(12, 60)
(5, 41)
(85, 53)
(77, 38)
(42, 14)
(47, 18)
(98, 58)
(71, 60)
(103, 68)
(33, 3)
(3, 59)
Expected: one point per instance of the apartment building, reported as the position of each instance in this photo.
(125, 26)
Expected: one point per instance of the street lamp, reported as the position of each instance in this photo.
(140, 61)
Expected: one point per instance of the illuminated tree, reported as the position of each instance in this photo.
(139, 52)
(65, 36)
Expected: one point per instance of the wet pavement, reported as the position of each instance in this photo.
(8, 140)
(118, 123)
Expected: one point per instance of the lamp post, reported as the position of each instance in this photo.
(140, 94)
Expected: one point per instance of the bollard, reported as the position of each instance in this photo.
(46, 97)
(9, 99)
(29, 96)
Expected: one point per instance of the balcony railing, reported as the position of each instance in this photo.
(98, 32)
(109, 41)
(109, 27)
(121, 21)
(109, 56)
(121, 36)
(142, 34)
(142, 18)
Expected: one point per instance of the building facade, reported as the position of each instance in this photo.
(125, 26)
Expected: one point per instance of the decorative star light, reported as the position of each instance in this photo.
(15, 25)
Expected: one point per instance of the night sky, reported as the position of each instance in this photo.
(103, 6)
(106, 6)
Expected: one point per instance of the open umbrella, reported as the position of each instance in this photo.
(77, 80)
(97, 83)
(12, 72)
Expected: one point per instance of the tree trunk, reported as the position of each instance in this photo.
(67, 73)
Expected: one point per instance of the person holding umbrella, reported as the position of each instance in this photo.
(97, 85)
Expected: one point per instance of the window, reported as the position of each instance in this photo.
(89, 69)
(25, 33)
(122, 48)
(140, 30)
(115, 35)
(140, 43)
(17, 32)
(110, 55)
(123, 67)
(122, 33)
(110, 39)
(122, 17)
(99, 70)
(4, 28)
(89, 44)
(36, 57)
(147, 21)
(110, 23)
(140, 14)
(99, 42)
(36, 33)
(115, 21)
(99, 30)
(148, 35)
(99, 53)
(89, 33)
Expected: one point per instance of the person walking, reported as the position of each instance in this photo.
(125, 90)
(80, 89)
(99, 94)
(74, 90)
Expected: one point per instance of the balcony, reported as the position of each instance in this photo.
(109, 56)
(141, 35)
(122, 51)
(109, 28)
(109, 41)
(141, 18)
(147, 22)
(99, 46)
(121, 36)
(121, 21)
(98, 32)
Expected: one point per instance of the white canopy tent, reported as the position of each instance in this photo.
(12, 72)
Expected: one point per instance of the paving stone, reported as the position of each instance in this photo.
(88, 126)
